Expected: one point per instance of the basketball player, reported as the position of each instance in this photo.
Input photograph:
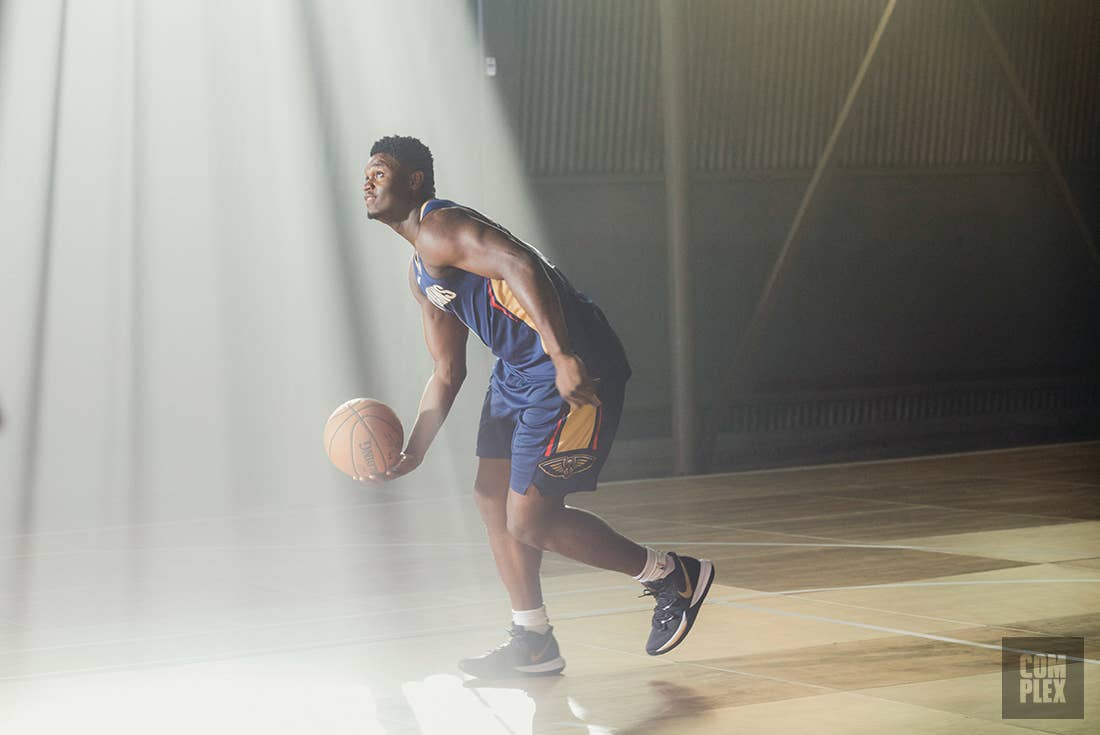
(550, 413)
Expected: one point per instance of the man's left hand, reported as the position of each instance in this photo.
(573, 382)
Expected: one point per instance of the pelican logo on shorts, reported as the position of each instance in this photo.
(565, 467)
(439, 296)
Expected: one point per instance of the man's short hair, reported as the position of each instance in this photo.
(411, 154)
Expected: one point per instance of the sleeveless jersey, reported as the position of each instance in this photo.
(489, 308)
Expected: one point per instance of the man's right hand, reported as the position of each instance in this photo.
(406, 464)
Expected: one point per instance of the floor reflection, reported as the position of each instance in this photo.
(635, 703)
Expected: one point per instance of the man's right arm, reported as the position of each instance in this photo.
(446, 339)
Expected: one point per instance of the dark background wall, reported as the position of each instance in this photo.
(942, 297)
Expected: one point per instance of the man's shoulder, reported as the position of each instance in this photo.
(435, 204)
(443, 218)
(441, 215)
(443, 230)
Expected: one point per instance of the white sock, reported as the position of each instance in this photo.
(658, 565)
(536, 621)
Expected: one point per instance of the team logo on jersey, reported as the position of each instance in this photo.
(439, 296)
(565, 467)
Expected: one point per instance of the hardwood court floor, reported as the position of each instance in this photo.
(864, 598)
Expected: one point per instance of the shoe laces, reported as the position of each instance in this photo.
(514, 633)
(667, 597)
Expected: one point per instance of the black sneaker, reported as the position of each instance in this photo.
(525, 653)
(679, 597)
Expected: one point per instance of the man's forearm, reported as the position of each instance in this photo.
(435, 403)
(537, 295)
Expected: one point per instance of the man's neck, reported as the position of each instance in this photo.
(409, 226)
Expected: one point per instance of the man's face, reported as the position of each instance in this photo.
(386, 188)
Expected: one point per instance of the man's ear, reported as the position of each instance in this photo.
(416, 180)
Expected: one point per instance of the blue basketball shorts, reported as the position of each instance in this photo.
(554, 447)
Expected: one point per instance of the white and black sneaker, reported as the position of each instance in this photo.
(525, 653)
(679, 595)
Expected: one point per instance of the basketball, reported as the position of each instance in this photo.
(363, 437)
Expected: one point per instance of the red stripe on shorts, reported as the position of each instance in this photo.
(554, 437)
(596, 431)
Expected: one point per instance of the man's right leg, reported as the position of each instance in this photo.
(517, 563)
(531, 648)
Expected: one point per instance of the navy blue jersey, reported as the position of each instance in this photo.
(491, 310)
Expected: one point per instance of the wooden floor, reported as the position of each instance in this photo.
(849, 599)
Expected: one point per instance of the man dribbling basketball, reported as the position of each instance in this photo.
(550, 414)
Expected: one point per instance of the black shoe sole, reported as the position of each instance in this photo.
(513, 674)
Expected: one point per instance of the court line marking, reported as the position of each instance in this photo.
(840, 494)
(565, 616)
(472, 544)
(480, 544)
(362, 640)
(756, 595)
(896, 613)
(762, 525)
(946, 583)
(954, 508)
(456, 544)
(904, 547)
(742, 528)
(783, 593)
(894, 631)
(734, 530)
(899, 613)
(731, 530)
(862, 463)
(610, 483)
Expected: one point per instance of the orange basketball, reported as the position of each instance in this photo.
(363, 437)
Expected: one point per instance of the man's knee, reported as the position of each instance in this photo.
(492, 509)
(488, 490)
(491, 486)
(528, 528)
(491, 482)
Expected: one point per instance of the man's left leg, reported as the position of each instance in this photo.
(547, 523)
(679, 584)
(554, 455)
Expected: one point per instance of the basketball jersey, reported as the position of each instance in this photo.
(489, 308)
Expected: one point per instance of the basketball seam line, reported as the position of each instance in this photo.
(336, 431)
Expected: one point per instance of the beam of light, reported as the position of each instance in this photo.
(232, 699)
(203, 177)
(216, 289)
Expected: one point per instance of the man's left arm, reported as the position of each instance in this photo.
(457, 240)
